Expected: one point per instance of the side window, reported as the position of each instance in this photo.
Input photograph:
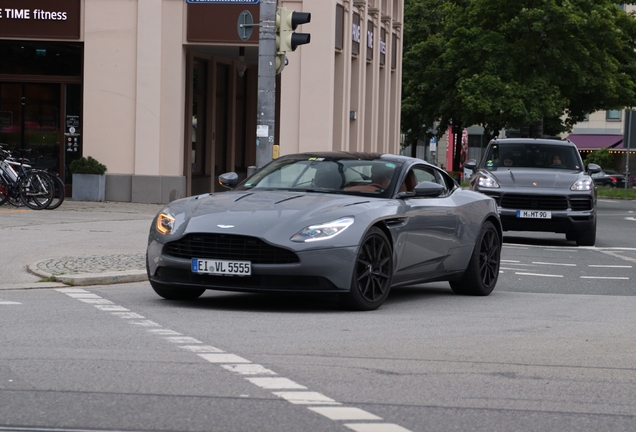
(420, 174)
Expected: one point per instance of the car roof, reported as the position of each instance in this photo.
(547, 141)
(357, 156)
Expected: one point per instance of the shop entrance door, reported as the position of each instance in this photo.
(30, 118)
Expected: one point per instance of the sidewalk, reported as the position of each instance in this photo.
(80, 243)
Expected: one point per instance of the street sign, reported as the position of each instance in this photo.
(224, 1)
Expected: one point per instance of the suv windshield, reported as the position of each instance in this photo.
(532, 155)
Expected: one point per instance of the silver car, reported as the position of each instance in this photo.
(539, 185)
(353, 224)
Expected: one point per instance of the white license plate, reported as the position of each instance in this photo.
(534, 214)
(221, 267)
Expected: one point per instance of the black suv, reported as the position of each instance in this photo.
(539, 185)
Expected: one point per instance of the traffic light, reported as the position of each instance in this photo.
(286, 22)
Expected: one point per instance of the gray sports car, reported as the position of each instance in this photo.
(354, 224)
(539, 185)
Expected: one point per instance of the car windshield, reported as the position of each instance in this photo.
(502, 156)
(372, 177)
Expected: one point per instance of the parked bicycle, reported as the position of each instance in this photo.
(20, 163)
(34, 188)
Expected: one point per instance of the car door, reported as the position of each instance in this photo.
(431, 228)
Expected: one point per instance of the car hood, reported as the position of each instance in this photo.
(544, 178)
(258, 212)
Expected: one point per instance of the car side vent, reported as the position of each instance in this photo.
(229, 247)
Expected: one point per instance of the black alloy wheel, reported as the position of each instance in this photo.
(372, 273)
(482, 272)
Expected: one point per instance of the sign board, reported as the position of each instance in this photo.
(224, 1)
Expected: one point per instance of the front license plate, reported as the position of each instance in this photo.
(221, 267)
(534, 214)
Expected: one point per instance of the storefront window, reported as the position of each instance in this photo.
(41, 58)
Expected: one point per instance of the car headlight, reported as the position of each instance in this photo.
(323, 231)
(583, 185)
(166, 223)
(487, 182)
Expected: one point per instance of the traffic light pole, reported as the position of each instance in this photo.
(266, 103)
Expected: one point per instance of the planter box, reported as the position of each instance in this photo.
(89, 187)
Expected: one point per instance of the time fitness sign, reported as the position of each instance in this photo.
(46, 19)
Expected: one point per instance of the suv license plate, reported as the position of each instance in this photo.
(221, 267)
(534, 214)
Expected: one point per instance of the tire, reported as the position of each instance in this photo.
(587, 237)
(4, 191)
(372, 273)
(482, 272)
(36, 190)
(59, 192)
(173, 293)
(176, 293)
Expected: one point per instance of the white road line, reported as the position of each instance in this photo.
(306, 398)
(609, 266)
(375, 427)
(554, 264)
(278, 383)
(605, 277)
(344, 413)
(539, 274)
(6, 302)
(223, 358)
(241, 366)
(510, 261)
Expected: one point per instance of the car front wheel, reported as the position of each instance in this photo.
(587, 237)
(372, 273)
(482, 272)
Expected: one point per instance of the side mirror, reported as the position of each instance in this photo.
(428, 189)
(471, 164)
(229, 180)
(593, 168)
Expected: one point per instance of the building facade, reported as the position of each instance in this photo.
(164, 92)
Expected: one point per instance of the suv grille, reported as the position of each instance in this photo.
(229, 247)
(534, 202)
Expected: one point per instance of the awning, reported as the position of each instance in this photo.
(595, 142)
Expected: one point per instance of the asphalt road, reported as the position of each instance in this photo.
(553, 348)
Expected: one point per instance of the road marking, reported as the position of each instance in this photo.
(242, 366)
(605, 277)
(539, 274)
(345, 413)
(609, 266)
(6, 302)
(510, 261)
(554, 264)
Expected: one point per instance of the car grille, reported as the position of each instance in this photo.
(581, 203)
(534, 202)
(229, 247)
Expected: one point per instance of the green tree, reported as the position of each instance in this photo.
(503, 64)
(601, 157)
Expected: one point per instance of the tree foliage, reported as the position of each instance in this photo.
(503, 64)
(601, 157)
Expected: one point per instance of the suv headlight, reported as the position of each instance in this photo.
(487, 182)
(583, 185)
(323, 231)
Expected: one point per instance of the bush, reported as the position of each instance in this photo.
(87, 165)
(601, 157)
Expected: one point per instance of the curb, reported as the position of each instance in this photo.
(84, 279)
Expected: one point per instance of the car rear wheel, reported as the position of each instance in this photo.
(587, 237)
(482, 272)
(372, 274)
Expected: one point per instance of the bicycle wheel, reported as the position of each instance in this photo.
(36, 190)
(4, 191)
(58, 192)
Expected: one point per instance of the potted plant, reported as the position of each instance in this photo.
(89, 179)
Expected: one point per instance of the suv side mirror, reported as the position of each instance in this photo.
(470, 164)
(593, 168)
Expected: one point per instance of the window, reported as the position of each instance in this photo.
(613, 115)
